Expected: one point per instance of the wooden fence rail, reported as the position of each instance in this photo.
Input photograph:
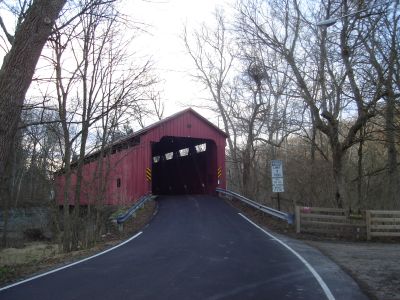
(375, 223)
(382, 223)
(329, 221)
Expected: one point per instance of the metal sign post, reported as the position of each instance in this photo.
(277, 179)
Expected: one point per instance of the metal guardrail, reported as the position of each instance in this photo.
(125, 216)
(289, 218)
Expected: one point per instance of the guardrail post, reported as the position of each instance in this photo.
(290, 219)
(368, 221)
(297, 217)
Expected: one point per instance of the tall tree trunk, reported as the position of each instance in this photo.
(233, 151)
(360, 170)
(5, 222)
(5, 192)
(393, 172)
(337, 166)
(247, 190)
(8, 189)
(19, 66)
(312, 163)
(77, 224)
(16, 75)
(340, 183)
(32, 172)
(66, 196)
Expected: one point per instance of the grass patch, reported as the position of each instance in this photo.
(6, 273)
(32, 252)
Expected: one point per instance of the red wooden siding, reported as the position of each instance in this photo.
(129, 165)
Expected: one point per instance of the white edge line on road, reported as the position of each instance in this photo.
(72, 264)
(321, 282)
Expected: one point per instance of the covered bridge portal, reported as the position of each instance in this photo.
(184, 165)
(182, 154)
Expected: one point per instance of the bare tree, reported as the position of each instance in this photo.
(284, 27)
(250, 89)
(212, 54)
(19, 66)
(16, 74)
(98, 89)
(34, 24)
(383, 49)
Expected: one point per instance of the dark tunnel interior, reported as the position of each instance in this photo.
(183, 165)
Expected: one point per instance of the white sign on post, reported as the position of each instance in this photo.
(276, 168)
(277, 185)
(277, 176)
(277, 181)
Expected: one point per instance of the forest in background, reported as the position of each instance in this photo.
(323, 99)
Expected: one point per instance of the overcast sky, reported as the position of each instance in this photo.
(164, 21)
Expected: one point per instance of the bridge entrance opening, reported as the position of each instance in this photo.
(184, 166)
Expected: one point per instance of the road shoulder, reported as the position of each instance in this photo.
(338, 278)
(342, 285)
(373, 264)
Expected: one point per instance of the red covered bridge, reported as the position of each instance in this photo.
(181, 154)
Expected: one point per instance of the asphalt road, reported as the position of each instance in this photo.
(196, 247)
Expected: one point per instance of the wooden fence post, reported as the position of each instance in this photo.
(368, 221)
(297, 216)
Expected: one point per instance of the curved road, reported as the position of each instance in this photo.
(197, 247)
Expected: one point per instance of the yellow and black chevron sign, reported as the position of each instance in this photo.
(148, 174)
(219, 172)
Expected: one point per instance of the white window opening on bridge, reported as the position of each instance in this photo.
(201, 148)
(169, 155)
(184, 152)
(156, 159)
